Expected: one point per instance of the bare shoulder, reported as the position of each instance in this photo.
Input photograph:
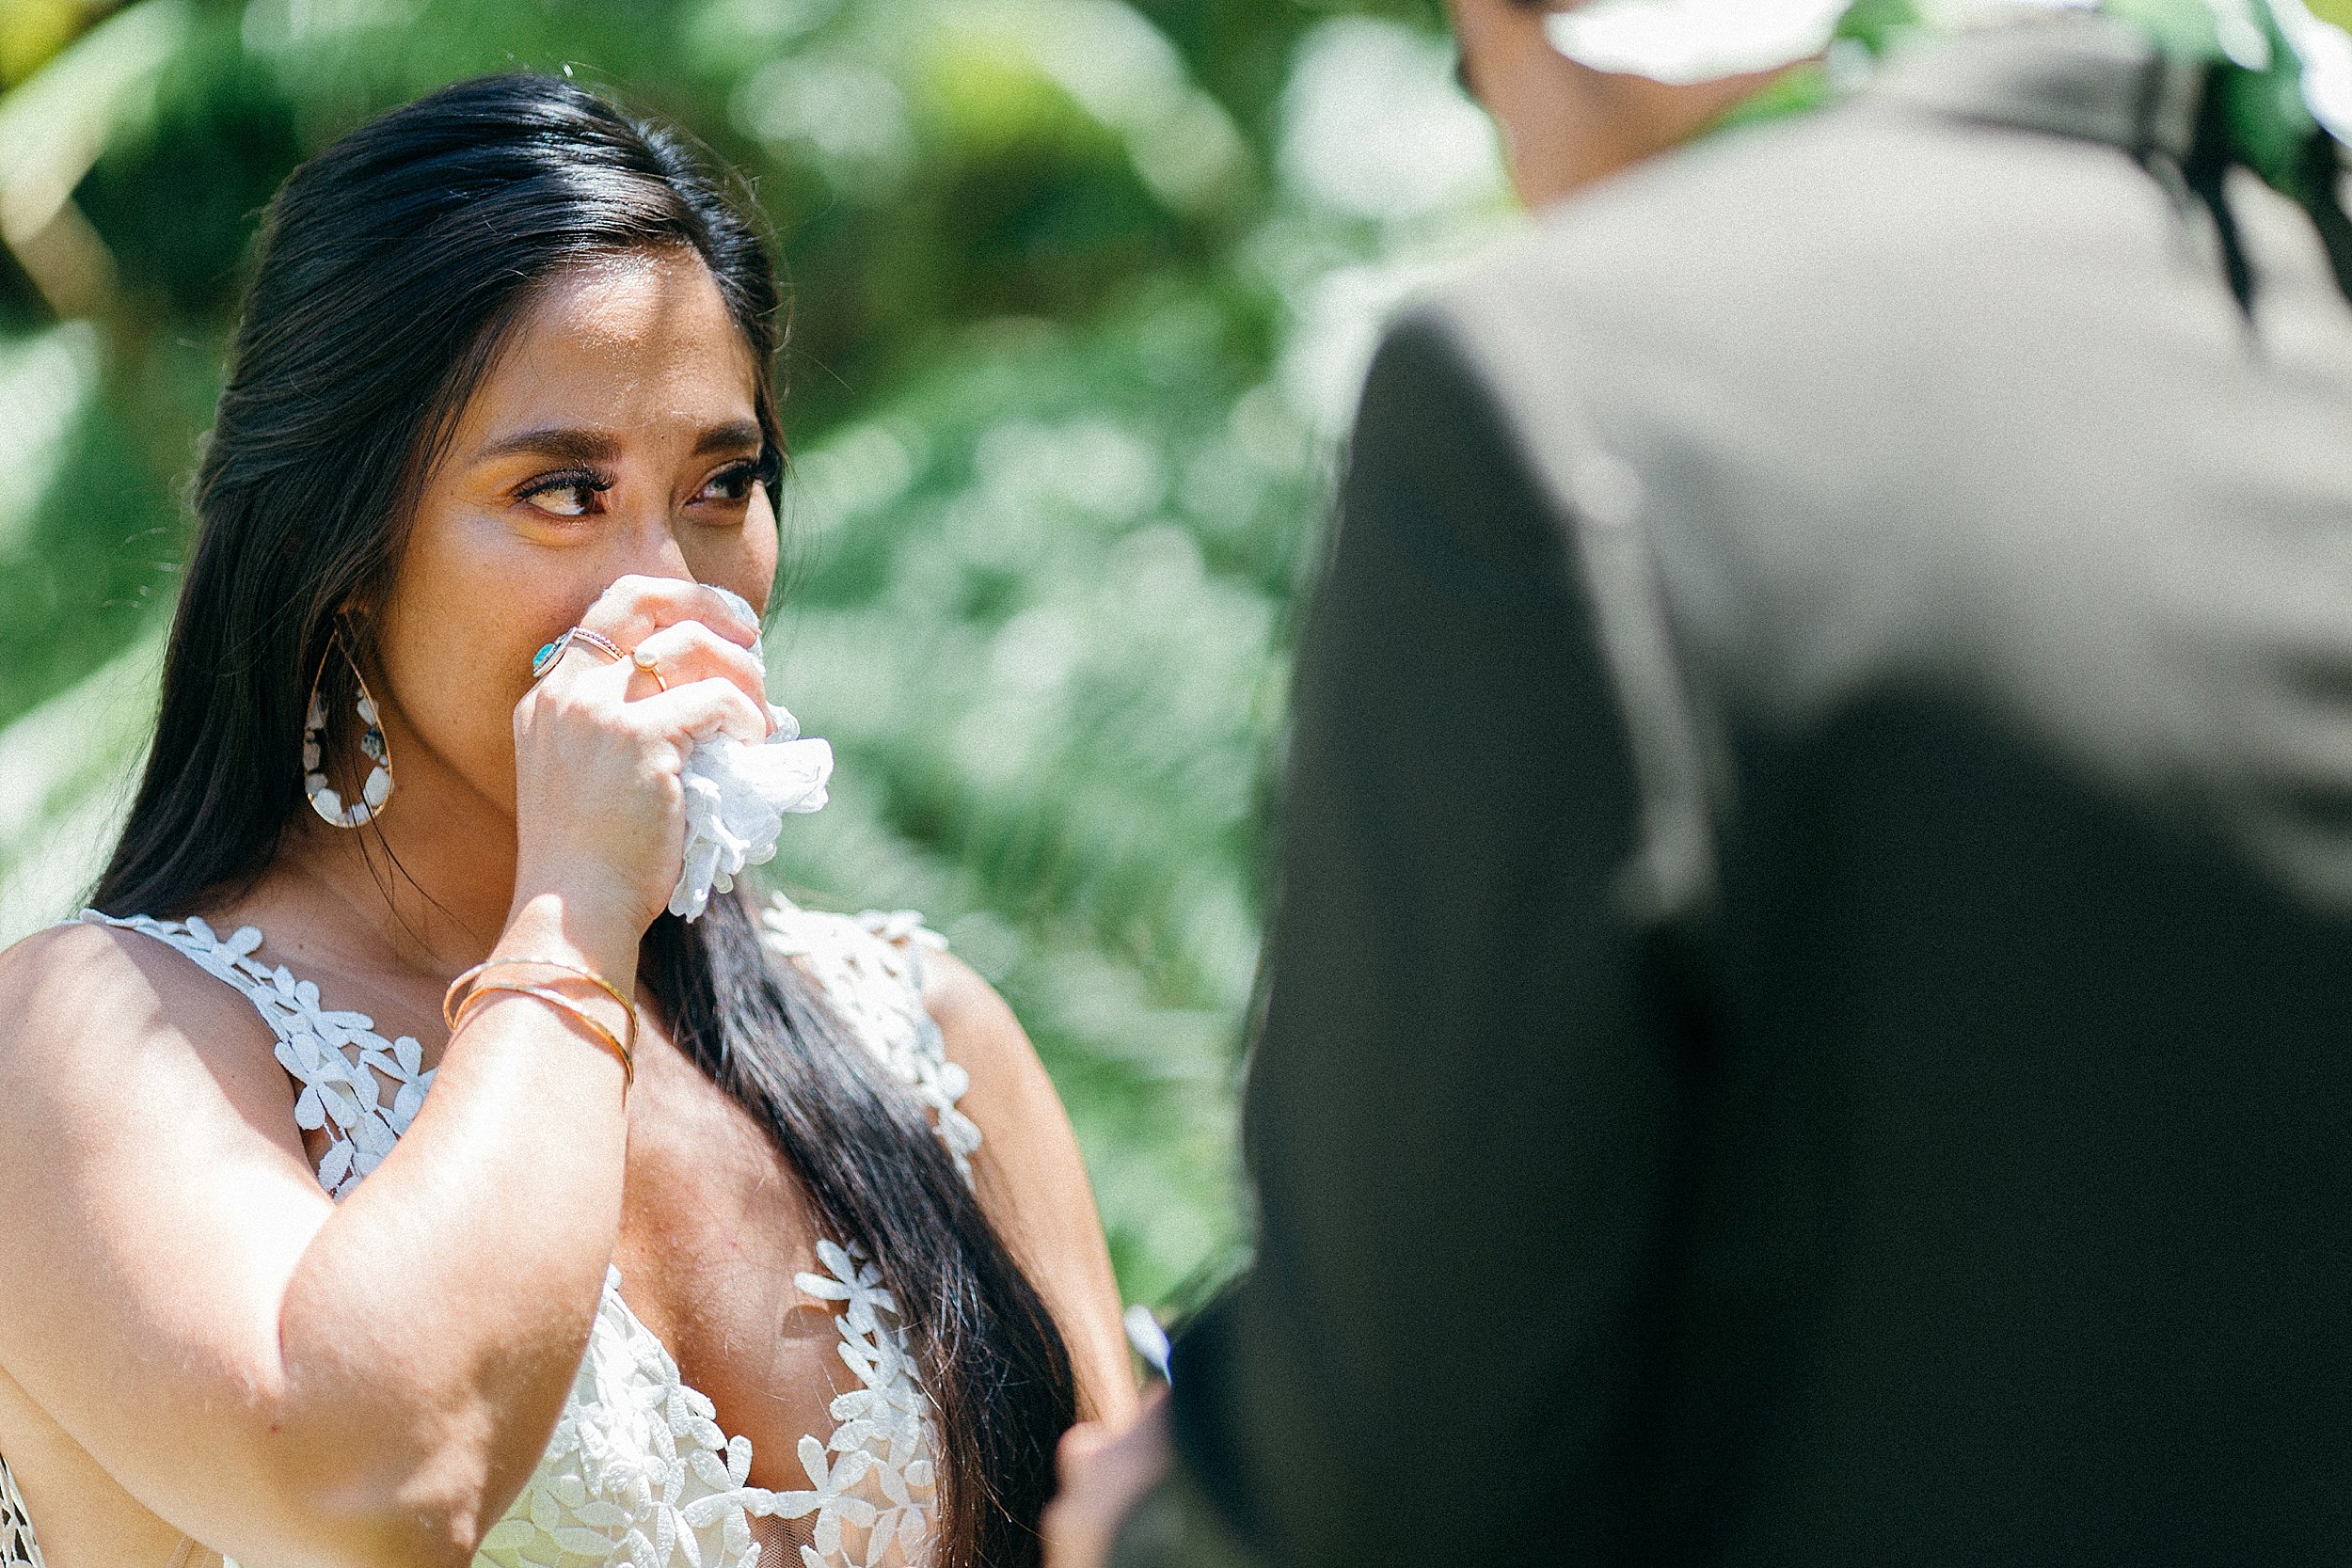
(979, 1031)
(49, 963)
(69, 990)
(144, 1119)
(76, 986)
(90, 1014)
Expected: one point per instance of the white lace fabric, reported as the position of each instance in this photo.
(637, 1471)
(865, 966)
(18, 1549)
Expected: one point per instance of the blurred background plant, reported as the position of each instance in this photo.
(1081, 291)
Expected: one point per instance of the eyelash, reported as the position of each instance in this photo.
(571, 479)
(765, 469)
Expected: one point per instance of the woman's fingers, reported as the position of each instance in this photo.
(600, 745)
(688, 651)
(634, 608)
(584, 653)
(703, 709)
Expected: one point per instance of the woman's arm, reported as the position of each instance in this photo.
(1033, 1182)
(295, 1382)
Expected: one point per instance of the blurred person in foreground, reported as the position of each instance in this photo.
(1807, 1011)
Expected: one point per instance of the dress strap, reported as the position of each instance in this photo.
(870, 969)
(342, 1065)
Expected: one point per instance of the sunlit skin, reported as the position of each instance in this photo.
(1565, 126)
(617, 436)
(606, 469)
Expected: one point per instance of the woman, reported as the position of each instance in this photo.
(699, 1251)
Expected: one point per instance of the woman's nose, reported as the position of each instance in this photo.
(652, 547)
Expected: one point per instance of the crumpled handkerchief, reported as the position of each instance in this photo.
(736, 799)
(1693, 41)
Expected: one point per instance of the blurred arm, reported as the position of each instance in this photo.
(1458, 1112)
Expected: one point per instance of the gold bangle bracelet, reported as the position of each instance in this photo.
(452, 1008)
(557, 1000)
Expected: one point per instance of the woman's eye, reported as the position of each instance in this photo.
(566, 495)
(733, 484)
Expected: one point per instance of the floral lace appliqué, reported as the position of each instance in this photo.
(637, 1471)
(870, 968)
(336, 1056)
(877, 1481)
(18, 1549)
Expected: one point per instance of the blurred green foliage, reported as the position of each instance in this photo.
(1082, 289)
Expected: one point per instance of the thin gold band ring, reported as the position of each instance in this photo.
(553, 653)
(597, 641)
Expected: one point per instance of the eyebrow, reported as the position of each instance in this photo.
(729, 437)
(596, 446)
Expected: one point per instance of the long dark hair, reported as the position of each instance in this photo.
(392, 267)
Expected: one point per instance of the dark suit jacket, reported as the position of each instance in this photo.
(1811, 1001)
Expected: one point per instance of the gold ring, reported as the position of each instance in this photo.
(651, 666)
(597, 641)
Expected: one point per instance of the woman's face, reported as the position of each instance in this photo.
(614, 435)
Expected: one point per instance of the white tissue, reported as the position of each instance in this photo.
(736, 799)
(1683, 41)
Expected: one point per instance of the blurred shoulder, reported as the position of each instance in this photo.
(891, 976)
(872, 960)
(1821, 360)
(1819, 237)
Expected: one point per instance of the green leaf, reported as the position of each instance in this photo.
(56, 123)
(2182, 27)
(1878, 25)
(1797, 91)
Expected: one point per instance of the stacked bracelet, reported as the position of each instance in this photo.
(455, 1011)
(557, 999)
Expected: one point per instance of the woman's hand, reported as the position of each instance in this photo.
(599, 747)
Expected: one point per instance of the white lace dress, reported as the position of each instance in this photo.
(638, 1472)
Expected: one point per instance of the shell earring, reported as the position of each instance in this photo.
(378, 788)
